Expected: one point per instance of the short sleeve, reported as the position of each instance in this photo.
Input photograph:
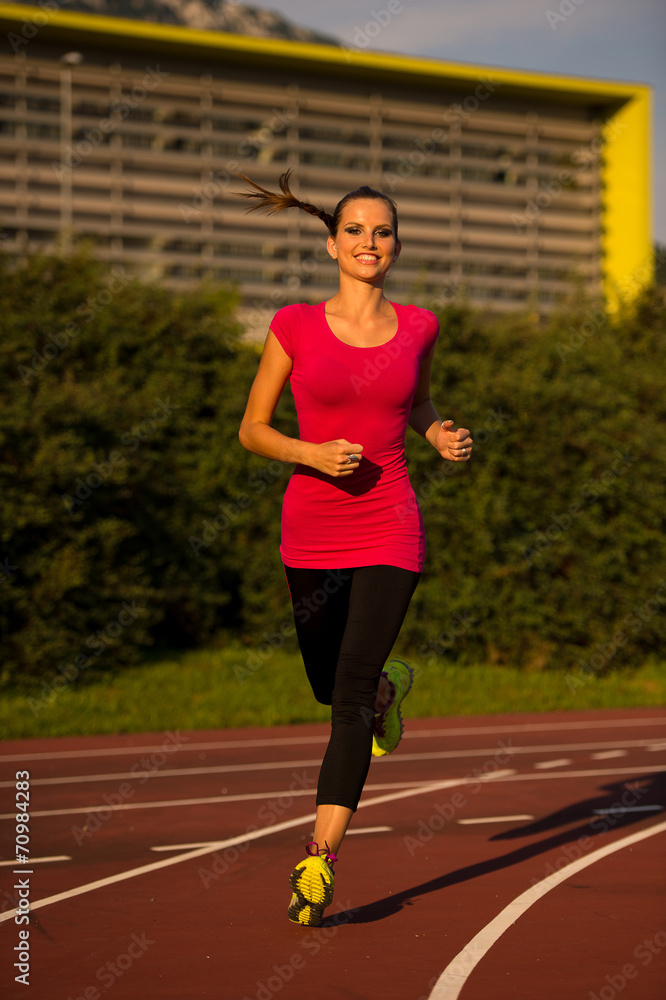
(431, 332)
(286, 325)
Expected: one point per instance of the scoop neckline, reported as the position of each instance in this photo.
(357, 347)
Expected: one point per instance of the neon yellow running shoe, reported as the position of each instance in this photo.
(312, 881)
(389, 727)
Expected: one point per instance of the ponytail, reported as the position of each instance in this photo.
(273, 203)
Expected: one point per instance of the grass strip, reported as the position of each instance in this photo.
(232, 688)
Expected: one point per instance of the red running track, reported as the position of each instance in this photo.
(498, 857)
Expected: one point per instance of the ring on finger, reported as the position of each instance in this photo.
(351, 459)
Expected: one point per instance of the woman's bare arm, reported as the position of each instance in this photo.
(448, 440)
(257, 435)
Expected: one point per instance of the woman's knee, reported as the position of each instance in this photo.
(355, 713)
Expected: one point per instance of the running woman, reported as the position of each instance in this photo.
(353, 542)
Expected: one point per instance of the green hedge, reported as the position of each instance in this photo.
(117, 400)
(131, 516)
(547, 549)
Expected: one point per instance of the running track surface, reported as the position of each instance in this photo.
(499, 857)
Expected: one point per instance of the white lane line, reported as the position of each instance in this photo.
(539, 727)
(36, 861)
(508, 749)
(503, 749)
(654, 747)
(204, 800)
(609, 754)
(172, 772)
(184, 847)
(545, 764)
(621, 810)
(458, 971)
(351, 832)
(249, 835)
(101, 807)
(185, 747)
(444, 733)
(368, 829)
(495, 819)
(588, 773)
(214, 799)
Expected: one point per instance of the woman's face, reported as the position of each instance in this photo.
(365, 245)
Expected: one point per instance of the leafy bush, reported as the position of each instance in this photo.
(117, 404)
(547, 549)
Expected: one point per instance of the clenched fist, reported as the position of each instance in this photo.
(453, 443)
(335, 458)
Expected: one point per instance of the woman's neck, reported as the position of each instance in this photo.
(359, 300)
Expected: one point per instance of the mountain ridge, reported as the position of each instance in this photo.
(205, 15)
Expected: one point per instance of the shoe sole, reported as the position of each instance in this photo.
(377, 750)
(312, 893)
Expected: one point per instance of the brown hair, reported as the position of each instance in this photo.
(273, 203)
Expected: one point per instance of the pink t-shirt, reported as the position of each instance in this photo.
(362, 394)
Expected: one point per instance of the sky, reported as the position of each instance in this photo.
(604, 39)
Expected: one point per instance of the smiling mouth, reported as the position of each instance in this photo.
(367, 258)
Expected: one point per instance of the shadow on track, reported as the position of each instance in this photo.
(610, 813)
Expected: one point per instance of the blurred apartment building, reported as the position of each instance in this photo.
(512, 187)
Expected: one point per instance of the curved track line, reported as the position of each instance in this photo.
(250, 834)
(457, 972)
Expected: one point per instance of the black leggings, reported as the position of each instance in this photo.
(347, 621)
